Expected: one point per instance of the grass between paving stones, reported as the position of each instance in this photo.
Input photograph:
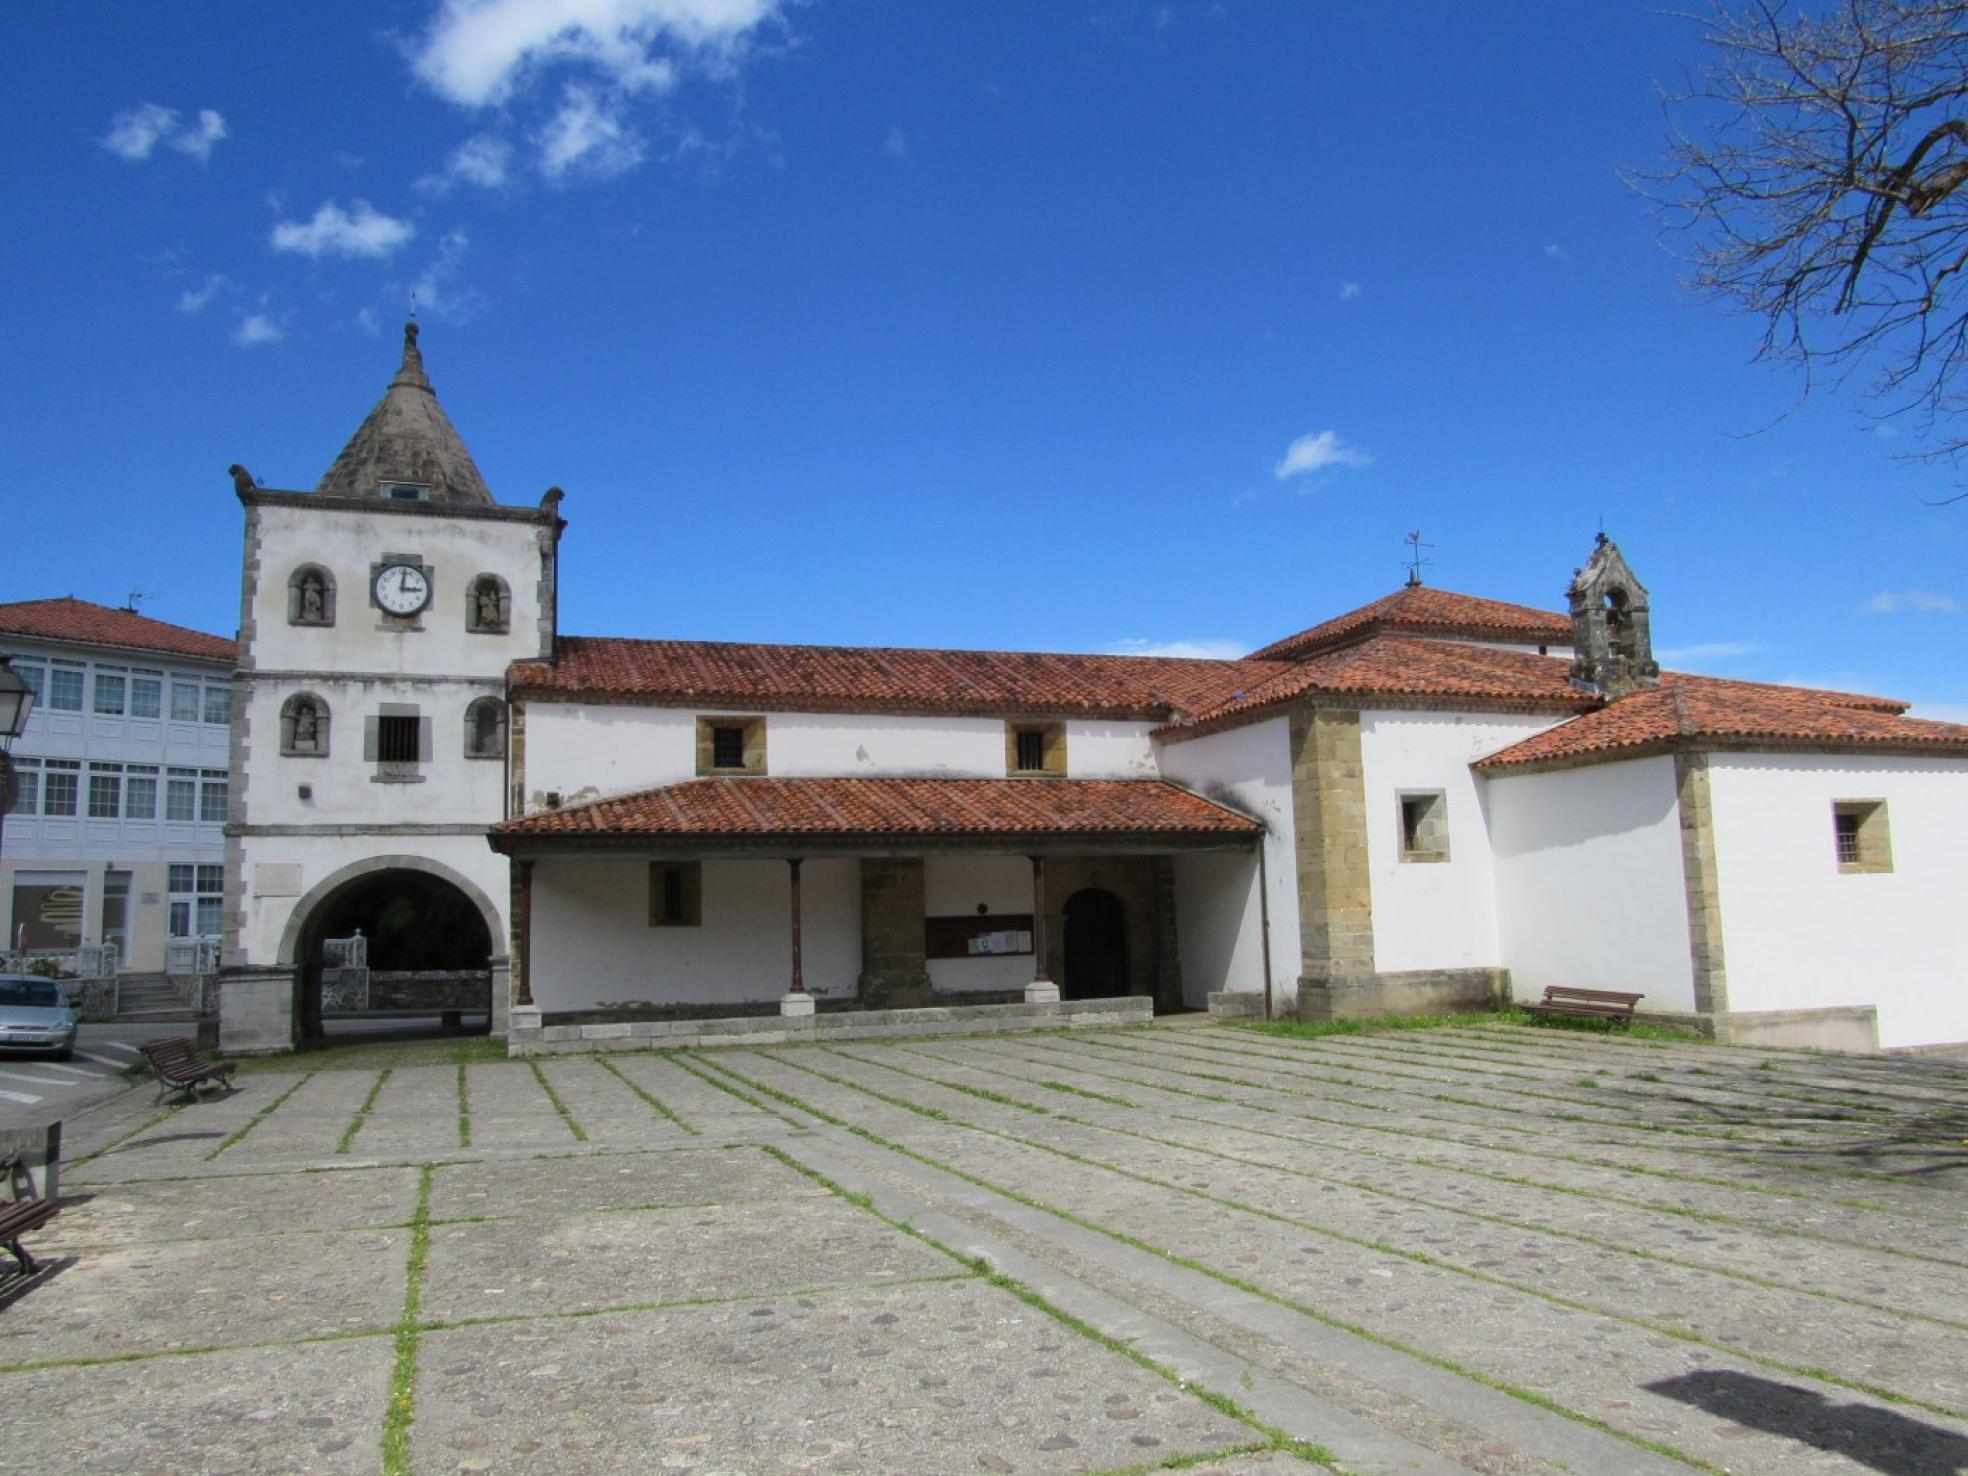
(137, 1131)
(580, 1133)
(259, 1117)
(647, 1096)
(464, 1109)
(1175, 1258)
(373, 1055)
(682, 1060)
(981, 1093)
(402, 1408)
(347, 1139)
(981, 1269)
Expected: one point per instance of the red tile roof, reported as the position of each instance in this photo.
(1696, 709)
(79, 621)
(1421, 610)
(881, 679)
(928, 810)
(1406, 667)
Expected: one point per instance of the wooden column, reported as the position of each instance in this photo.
(522, 926)
(799, 981)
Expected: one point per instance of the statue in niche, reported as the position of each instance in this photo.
(314, 598)
(307, 726)
(489, 616)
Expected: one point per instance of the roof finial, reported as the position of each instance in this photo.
(1415, 560)
(412, 371)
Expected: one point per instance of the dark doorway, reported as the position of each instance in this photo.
(1096, 946)
(429, 957)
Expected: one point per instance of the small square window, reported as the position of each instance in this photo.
(1861, 840)
(405, 491)
(676, 894)
(1035, 748)
(730, 745)
(1425, 826)
(396, 739)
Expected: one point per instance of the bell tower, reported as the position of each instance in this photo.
(1612, 645)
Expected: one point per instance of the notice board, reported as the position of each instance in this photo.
(989, 935)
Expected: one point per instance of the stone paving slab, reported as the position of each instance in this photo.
(231, 1207)
(415, 1113)
(314, 1408)
(608, 1111)
(509, 1108)
(688, 1096)
(554, 1186)
(946, 1378)
(578, 1262)
(111, 1301)
(187, 1138)
(306, 1126)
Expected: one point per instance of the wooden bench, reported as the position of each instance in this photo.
(180, 1069)
(1588, 1004)
(19, 1216)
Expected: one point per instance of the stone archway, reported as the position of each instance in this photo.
(1095, 951)
(431, 935)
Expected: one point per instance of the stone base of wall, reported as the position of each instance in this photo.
(1417, 992)
(256, 1011)
(1836, 1028)
(525, 1036)
(1946, 1050)
(1236, 1004)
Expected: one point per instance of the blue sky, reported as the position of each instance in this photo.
(1090, 326)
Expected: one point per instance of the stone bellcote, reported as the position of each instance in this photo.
(1612, 645)
(407, 448)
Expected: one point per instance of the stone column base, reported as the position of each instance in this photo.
(256, 1011)
(1042, 991)
(1236, 1004)
(1832, 1028)
(501, 997)
(1419, 992)
(795, 1004)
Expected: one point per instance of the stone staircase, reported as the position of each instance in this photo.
(151, 997)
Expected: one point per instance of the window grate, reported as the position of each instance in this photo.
(1847, 834)
(396, 739)
(728, 748)
(1031, 750)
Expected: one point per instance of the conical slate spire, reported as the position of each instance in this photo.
(407, 438)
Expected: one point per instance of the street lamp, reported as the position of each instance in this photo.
(16, 702)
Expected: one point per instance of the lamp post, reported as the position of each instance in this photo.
(16, 702)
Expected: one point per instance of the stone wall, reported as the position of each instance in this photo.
(893, 971)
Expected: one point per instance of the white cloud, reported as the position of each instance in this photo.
(1350, 290)
(1310, 454)
(1556, 252)
(135, 134)
(255, 329)
(1891, 602)
(1206, 647)
(479, 52)
(368, 321)
(361, 230)
(1709, 651)
(197, 299)
(897, 143)
(440, 291)
(482, 160)
(587, 137)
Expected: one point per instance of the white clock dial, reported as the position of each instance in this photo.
(402, 589)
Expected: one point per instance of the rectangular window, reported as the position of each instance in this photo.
(184, 702)
(140, 793)
(180, 921)
(65, 687)
(111, 688)
(197, 905)
(105, 791)
(212, 797)
(1425, 826)
(676, 894)
(218, 704)
(180, 794)
(60, 781)
(1035, 748)
(730, 745)
(146, 695)
(27, 787)
(1860, 838)
(396, 739)
(182, 877)
(1031, 750)
(35, 675)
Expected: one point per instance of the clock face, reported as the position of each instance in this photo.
(402, 589)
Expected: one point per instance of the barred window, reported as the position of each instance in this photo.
(396, 739)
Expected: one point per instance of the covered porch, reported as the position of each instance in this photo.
(747, 897)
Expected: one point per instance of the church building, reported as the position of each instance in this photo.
(1434, 802)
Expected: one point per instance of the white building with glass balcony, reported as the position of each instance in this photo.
(115, 834)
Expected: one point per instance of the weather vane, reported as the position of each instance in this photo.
(1415, 561)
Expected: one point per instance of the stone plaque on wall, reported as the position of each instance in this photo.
(277, 879)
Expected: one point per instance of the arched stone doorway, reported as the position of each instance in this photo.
(428, 936)
(1096, 946)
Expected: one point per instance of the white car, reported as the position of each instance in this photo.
(34, 1016)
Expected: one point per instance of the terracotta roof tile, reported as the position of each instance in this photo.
(882, 679)
(1406, 666)
(1692, 708)
(70, 619)
(891, 809)
(1420, 609)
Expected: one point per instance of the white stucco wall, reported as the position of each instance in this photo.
(1217, 907)
(592, 943)
(1589, 881)
(587, 751)
(1433, 914)
(953, 886)
(1800, 934)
